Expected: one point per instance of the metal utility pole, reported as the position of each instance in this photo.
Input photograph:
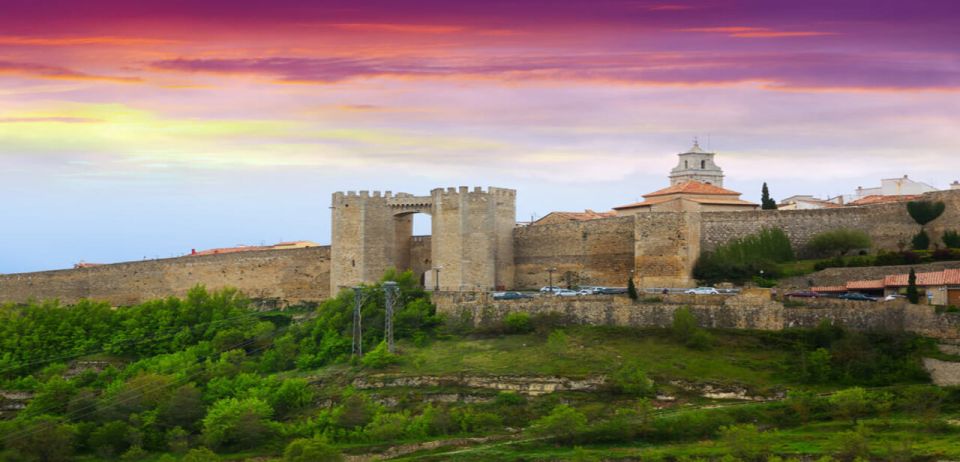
(550, 272)
(390, 292)
(357, 346)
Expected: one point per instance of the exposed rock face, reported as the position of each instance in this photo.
(532, 386)
(943, 373)
(13, 401)
(716, 391)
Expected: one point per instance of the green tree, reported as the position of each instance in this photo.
(632, 289)
(839, 242)
(853, 445)
(686, 330)
(380, 358)
(818, 366)
(237, 424)
(744, 441)
(951, 239)
(913, 294)
(563, 423)
(314, 449)
(924, 212)
(767, 202)
(518, 323)
(356, 411)
(42, 439)
(183, 409)
(921, 241)
(851, 403)
(200, 455)
(632, 379)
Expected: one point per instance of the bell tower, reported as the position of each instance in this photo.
(697, 165)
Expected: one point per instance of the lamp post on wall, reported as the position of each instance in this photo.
(550, 272)
(436, 278)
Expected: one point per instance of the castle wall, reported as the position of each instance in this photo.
(592, 252)
(275, 277)
(421, 260)
(747, 312)
(888, 225)
(667, 245)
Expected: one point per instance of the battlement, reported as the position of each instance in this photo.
(476, 191)
(341, 197)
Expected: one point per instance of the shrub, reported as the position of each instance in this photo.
(921, 241)
(518, 323)
(562, 424)
(744, 441)
(632, 289)
(741, 259)
(237, 424)
(386, 427)
(700, 340)
(558, 342)
(818, 366)
(852, 445)
(631, 379)
(380, 358)
(951, 239)
(924, 212)
(685, 330)
(851, 403)
(313, 449)
(200, 455)
(839, 242)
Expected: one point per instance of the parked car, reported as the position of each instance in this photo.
(612, 290)
(585, 292)
(509, 295)
(702, 291)
(804, 294)
(894, 297)
(566, 293)
(857, 297)
(549, 289)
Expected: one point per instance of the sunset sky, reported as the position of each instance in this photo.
(135, 129)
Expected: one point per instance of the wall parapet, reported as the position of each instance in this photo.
(737, 312)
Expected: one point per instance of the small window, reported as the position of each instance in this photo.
(686, 164)
(703, 164)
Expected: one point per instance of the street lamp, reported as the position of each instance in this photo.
(436, 278)
(550, 272)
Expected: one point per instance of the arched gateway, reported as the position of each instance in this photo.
(471, 242)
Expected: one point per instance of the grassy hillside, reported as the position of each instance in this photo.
(209, 378)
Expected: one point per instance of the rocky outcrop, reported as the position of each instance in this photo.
(532, 386)
(718, 391)
(943, 373)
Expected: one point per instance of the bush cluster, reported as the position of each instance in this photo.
(742, 259)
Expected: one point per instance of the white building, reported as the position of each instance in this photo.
(891, 187)
(803, 202)
(696, 165)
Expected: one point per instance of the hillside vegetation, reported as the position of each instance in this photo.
(209, 378)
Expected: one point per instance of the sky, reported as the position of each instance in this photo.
(132, 130)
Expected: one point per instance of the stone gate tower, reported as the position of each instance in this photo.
(471, 243)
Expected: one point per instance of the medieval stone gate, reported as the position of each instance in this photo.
(471, 246)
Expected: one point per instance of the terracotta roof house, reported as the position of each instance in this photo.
(687, 197)
(566, 217)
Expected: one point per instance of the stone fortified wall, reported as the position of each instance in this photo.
(739, 312)
(888, 225)
(594, 252)
(274, 277)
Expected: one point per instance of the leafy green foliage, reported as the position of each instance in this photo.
(314, 449)
(42, 439)
(852, 403)
(686, 330)
(921, 241)
(744, 442)
(951, 239)
(742, 259)
(237, 424)
(563, 423)
(380, 358)
(839, 242)
(518, 323)
(632, 379)
(924, 212)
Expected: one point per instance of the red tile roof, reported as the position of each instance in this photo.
(937, 278)
(693, 187)
(578, 216)
(878, 199)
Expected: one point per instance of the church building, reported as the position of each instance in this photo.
(696, 185)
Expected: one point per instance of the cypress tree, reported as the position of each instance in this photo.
(632, 289)
(912, 293)
(767, 202)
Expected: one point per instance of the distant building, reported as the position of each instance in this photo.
(955, 185)
(806, 203)
(688, 197)
(696, 165)
(566, 217)
(890, 187)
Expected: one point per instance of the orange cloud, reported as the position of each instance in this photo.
(55, 72)
(402, 28)
(71, 41)
(754, 32)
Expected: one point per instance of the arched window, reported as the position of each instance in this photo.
(703, 164)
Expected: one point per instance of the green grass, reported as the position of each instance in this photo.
(590, 351)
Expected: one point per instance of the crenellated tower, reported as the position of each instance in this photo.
(471, 245)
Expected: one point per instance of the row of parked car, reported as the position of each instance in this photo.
(596, 290)
(856, 296)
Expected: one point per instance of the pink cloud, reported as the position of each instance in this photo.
(56, 72)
